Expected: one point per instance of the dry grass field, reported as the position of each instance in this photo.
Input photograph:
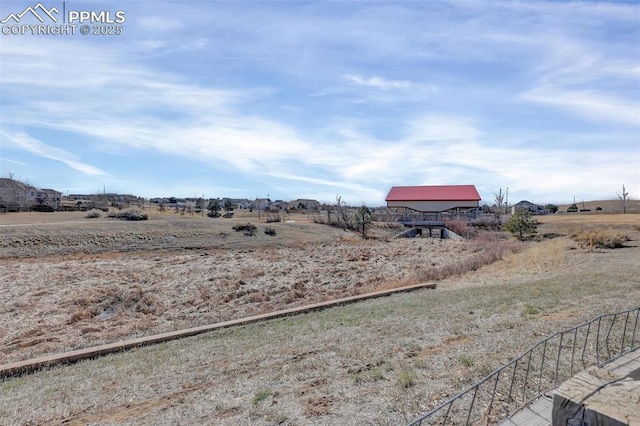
(71, 282)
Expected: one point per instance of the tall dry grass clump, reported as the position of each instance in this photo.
(488, 222)
(460, 226)
(131, 213)
(486, 251)
(542, 256)
(599, 238)
(93, 214)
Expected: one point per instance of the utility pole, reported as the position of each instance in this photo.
(506, 207)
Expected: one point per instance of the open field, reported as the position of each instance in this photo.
(112, 280)
(378, 362)
(607, 206)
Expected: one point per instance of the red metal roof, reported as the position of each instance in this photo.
(434, 193)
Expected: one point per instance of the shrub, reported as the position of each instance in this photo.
(261, 396)
(486, 221)
(274, 216)
(521, 224)
(270, 231)
(552, 208)
(407, 378)
(600, 238)
(460, 226)
(248, 228)
(132, 213)
(466, 360)
(93, 213)
(530, 310)
(214, 208)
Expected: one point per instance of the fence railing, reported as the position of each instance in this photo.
(539, 370)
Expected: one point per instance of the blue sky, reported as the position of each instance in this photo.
(302, 99)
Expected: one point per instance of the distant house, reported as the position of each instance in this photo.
(304, 204)
(16, 195)
(261, 204)
(532, 208)
(242, 203)
(434, 199)
(279, 205)
(47, 199)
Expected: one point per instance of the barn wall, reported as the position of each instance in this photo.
(432, 206)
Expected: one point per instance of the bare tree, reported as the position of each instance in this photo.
(189, 207)
(499, 204)
(342, 213)
(499, 200)
(624, 198)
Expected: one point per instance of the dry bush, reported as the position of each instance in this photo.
(93, 214)
(599, 238)
(131, 213)
(318, 218)
(488, 221)
(274, 216)
(460, 226)
(248, 228)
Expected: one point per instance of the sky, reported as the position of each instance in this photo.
(319, 99)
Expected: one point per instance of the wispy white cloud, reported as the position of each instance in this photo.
(377, 82)
(596, 106)
(20, 163)
(36, 147)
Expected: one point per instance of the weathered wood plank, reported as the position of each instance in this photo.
(27, 366)
(536, 414)
(601, 396)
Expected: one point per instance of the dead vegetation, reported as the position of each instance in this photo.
(377, 362)
(110, 281)
(599, 238)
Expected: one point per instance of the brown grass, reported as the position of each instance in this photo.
(378, 362)
(103, 295)
(599, 238)
(607, 206)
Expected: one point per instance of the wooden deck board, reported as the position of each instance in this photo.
(537, 413)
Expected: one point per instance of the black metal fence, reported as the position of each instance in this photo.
(539, 370)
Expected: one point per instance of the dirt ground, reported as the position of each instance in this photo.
(82, 282)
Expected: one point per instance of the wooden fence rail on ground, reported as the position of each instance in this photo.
(34, 364)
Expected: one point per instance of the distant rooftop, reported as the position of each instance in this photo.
(434, 193)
